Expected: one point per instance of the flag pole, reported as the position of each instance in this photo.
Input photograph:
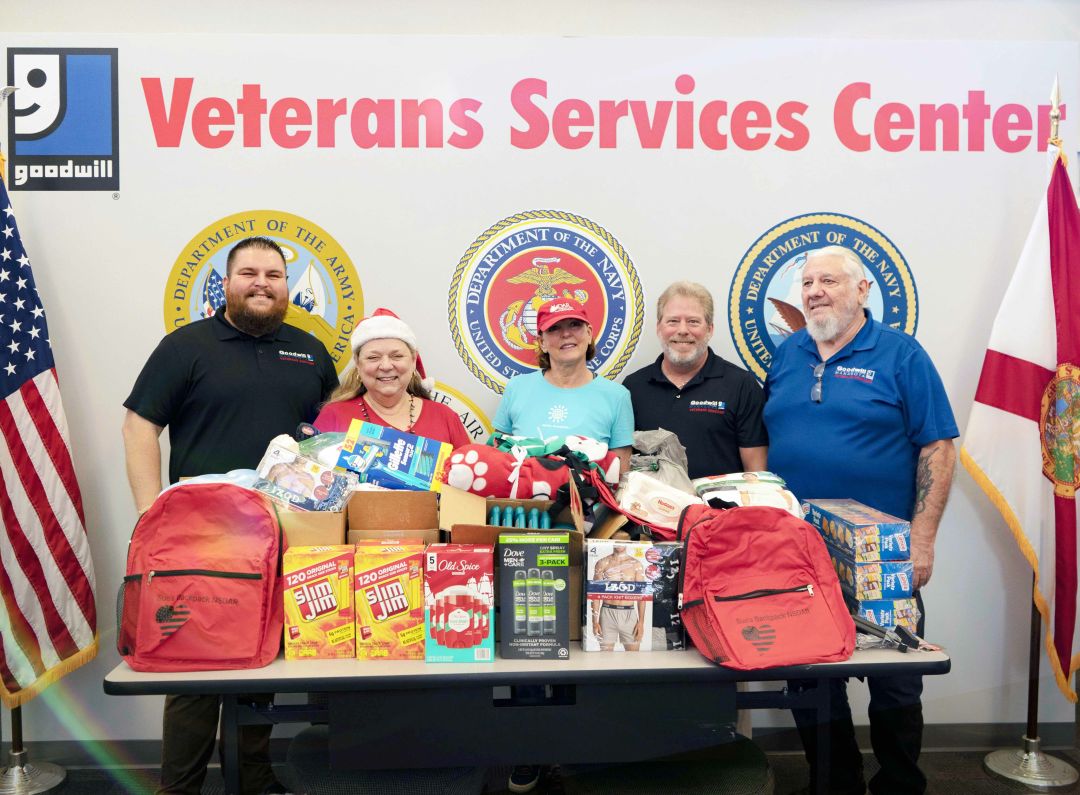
(20, 777)
(1028, 764)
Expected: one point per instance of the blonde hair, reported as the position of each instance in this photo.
(698, 292)
(352, 387)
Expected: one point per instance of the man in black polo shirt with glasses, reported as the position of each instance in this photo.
(224, 387)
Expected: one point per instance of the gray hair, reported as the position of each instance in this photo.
(852, 262)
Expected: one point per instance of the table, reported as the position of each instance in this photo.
(388, 714)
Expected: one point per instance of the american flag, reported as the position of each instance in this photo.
(213, 294)
(48, 621)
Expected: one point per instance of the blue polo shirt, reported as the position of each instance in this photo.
(882, 401)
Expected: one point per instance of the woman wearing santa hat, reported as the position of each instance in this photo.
(386, 385)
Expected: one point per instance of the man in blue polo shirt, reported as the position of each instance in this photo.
(855, 409)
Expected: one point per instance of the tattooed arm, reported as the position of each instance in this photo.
(933, 476)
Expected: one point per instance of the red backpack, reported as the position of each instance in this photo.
(203, 590)
(759, 589)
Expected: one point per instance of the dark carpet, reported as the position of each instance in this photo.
(949, 772)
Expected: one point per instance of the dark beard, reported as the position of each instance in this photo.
(254, 323)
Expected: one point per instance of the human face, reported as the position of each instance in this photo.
(256, 291)
(832, 300)
(567, 342)
(684, 334)
(385, 366)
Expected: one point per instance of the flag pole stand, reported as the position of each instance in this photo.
(20, 777)
(1028, 765)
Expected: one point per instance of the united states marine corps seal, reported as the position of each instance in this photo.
(528, 259)
(325, 298)
(765, 301)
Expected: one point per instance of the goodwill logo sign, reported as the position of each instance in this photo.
(525, 261)
(63, 129)
(765, 303)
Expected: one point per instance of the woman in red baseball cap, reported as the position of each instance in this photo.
(564, 398)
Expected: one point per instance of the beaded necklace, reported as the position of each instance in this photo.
(412, 415)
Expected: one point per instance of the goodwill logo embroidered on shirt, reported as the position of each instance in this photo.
(709, 406)
(856, 374)
(296, 356)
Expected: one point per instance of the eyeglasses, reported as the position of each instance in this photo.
(815, 390)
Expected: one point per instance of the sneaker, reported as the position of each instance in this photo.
(277, 788)
(524, 778)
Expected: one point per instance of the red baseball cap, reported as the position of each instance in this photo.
(560, 309)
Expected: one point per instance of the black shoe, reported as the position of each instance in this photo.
(524, 778)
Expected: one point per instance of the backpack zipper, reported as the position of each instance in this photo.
(686, 547)
(232, 575)
(808, 588)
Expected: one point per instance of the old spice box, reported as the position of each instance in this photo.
(319, 618)
(458, 603)
(389, 591)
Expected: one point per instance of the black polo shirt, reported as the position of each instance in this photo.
(224, 394)
(714, 414)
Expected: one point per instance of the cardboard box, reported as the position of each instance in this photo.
(389, 589)
(533, 569)
(379, 515)
(393, 459)
(313, 528)
(618, 596)
(473, 530)
(458, 603)
(319, 618)
(859, 532)
(888, 613)
(887, 579)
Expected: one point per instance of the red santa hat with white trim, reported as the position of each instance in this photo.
(383, 324)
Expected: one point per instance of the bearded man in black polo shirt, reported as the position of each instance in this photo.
(713, 406)
(224, 387)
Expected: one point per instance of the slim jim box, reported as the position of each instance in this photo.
(319, 618)
(459, 603)
(389, 592)
(534, 618)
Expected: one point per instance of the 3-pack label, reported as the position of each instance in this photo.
(533, 592)
(389, 594)
(319, 616)
(458, 603)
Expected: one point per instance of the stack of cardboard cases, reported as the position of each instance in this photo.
(871, 551)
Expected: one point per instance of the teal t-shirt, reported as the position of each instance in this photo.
(600, 410)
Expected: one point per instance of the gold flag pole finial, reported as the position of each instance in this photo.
(1055, 113)
(5, 92)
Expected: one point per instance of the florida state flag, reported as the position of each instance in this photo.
(1024, 431)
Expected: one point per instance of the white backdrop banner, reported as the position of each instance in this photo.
(460, 181)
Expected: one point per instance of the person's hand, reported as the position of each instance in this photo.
(639, 629)
(596, 628)
(922, 561)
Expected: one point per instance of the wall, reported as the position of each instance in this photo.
(103, 264)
